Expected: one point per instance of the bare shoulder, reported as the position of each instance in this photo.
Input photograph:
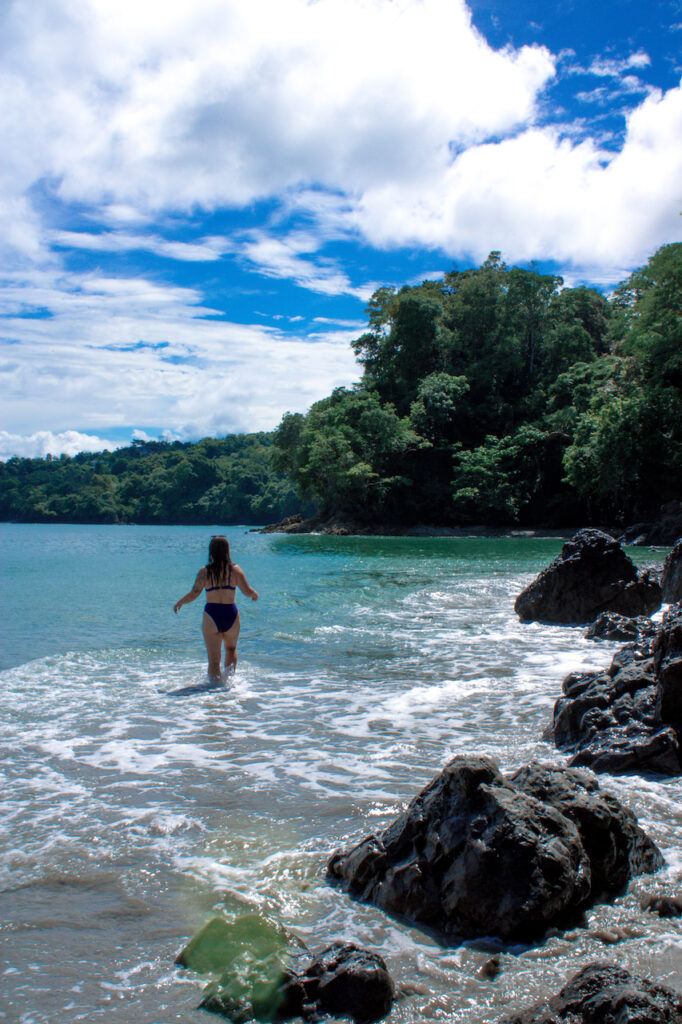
(237, 568)
(201, 577)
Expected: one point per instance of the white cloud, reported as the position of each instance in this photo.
(539, 195)
(130, 352)
(44, 442)
(206, 249)
(153, 106)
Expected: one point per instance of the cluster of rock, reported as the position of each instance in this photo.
(628, 717)
(600, 994)
(478, 854)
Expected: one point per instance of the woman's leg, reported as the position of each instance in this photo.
(230, 639)
(213, 641)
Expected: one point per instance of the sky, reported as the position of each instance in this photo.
(197, 197)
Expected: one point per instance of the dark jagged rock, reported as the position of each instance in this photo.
(616, 846)
(668, 527)
(612, 626)
(668, 667)
(477, 854)
(664, 906)
(671, 581)
(591, 575)
(604, 994)
(628, 718)
(342, 980)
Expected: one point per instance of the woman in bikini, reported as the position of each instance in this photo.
(220, 625)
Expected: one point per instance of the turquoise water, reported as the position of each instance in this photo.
(136, 802)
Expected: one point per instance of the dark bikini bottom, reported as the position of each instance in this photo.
(224, 615)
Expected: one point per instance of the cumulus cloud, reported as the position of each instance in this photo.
(44, 442)
(169, 106)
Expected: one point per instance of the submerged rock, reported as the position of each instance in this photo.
(592, 574)
(628, 718)
(671, 581)
(477, 854)
(604, 994)
(664, 906)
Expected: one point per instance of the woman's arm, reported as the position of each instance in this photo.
(243, 583)
(192, 594)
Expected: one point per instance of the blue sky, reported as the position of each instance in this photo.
(197, 199)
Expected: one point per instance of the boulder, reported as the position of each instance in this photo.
(592, 574)
(668, 527)
(668, 668)
(612, 626)
(477, 854)
(672, 575)
(342, 980)
(604, 994)
(609, 721)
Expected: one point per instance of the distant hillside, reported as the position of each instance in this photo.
(228, 480)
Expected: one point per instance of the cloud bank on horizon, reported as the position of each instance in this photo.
(197, 199)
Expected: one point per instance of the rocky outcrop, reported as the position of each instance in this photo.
(592, 574)
(477, 854)
(671, 581)
(611, 626)
(628, 718)
(664, 906)
(604, 994)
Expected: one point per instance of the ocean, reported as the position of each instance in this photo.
(137, 802)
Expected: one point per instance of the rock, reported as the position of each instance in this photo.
(672, 575)
(612, 626)
(604, 994)
(491, 969)
(476, 854)
(591, 575)
(664, 906)
(342, 980)
(668, 667)
(610, 721)
(668, 527)
(616, 846)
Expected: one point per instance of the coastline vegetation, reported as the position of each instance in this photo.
(493, 396)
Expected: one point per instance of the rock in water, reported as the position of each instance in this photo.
(342, 980)
(629, 718)
(672, 575)
(591, 575)
(603, 994)
(611, 626)
(668, 668)
(477, 854)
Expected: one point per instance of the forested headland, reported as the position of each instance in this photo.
(492, 396)
(496, 396)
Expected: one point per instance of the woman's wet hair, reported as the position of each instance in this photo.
(219, 561)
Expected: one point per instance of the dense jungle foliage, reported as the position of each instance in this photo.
(492, 396)
(213, 481)
(496, 396)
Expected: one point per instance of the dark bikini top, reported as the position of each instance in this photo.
(224, 586)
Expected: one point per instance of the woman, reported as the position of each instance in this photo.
(220, 625)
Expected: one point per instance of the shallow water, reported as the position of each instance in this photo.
(137, 801)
